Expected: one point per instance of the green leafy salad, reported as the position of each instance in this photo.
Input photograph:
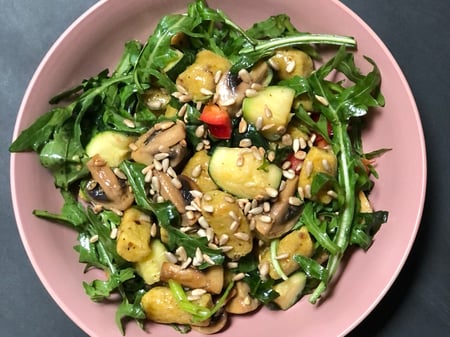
(215, 170)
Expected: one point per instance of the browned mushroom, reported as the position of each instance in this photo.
(116, 193)
(260, 73)
(231, 92)
(214, 326)
(283, 215)
(178, 154)
(242, 302)
(179, 194)
(156, 98)
(210, 280)
(170, 192)
(160, 138)
(187, 186)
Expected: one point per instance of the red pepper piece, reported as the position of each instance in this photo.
(295, 163)
(218, 121)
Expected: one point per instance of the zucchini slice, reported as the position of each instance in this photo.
(290, 290)
(239, 172)
(150, 268)
(270, 109)
(112, 146)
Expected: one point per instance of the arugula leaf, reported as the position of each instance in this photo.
(250, 54)
(87, 251)
(179, 239)
(129, 58)
(130, 310)
(250, 133)
(38, 134)
(311, 220)
(367, 224)
(72, 213)
(165, 212)
(260, 289)
(64, 156)
(157, 52)
(320, 127)
(375, 154)
(198, 312)
(98, 290)
(273, 27)
(321, 181)
(100, 253)
(312, 268)
(279, 26)
(298, 83)
(273, 259)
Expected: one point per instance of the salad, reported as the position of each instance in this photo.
(215, 170)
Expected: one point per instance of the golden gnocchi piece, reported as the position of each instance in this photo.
(160, 306)
(133, 236)
(199, 78)
(290, 62)
(197, 169)
(298, 242)
(317, 160)
(228, 222)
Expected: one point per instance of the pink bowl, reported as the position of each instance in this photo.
(95, 41)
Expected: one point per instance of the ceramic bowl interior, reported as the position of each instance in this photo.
(95, 41)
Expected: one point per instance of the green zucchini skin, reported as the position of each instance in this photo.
(290, 290)
(112, 146)
(270, 110)
(239, 172)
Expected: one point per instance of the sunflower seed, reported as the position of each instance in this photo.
(206, 92)
(244, 75)
(242, 125)
(290, 66)
(322, 100)
(242, 236)
(238, 277)
(265, 218)
(129, 123)
(250, 92)
(171, 257)
(294, 201)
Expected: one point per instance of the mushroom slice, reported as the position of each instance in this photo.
(117, 195)
(231, 92)
(156, 98)
(161, 137)
(261, 73)
(226, 90)
(170, 192)
(179, 193)
(210, 280)
(242, 302)
(178, 154)
(283, 216)
(214, 326)
(187, 186)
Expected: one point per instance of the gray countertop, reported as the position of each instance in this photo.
(418, 35)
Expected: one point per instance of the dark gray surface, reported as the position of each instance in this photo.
(417, 33)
